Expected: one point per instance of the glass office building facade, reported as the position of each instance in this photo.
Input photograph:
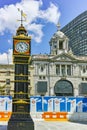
(76, 31)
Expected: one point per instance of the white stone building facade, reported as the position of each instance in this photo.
(60, 73)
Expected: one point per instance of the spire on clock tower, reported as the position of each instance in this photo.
(21, 29)
(23, 16)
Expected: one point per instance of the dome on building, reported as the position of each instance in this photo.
(58, 42)
(59, 34)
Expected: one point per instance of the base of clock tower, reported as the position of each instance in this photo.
(20, 122)
(21, 118)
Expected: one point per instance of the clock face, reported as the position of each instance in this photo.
(21, 47)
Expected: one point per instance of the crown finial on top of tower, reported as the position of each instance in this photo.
(58, 26)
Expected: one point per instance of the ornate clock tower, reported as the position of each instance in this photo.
(21, 119)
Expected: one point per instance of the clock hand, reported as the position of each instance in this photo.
(21, 46)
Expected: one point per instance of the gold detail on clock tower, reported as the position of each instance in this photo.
(21, 100)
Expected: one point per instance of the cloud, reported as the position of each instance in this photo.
(6, 58)
(9, 15)
(37, 31)
(51, 14)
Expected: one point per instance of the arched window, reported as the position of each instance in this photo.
(63, 88)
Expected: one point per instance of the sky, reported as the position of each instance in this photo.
(41, 22)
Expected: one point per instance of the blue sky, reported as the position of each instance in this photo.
(42, 18)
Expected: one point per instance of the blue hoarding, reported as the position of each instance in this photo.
(58, 104)
(36, 104)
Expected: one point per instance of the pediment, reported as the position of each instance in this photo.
(64, 57)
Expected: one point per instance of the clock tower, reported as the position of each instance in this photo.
(21, 119)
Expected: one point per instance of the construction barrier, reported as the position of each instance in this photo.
(58, 104)
(55, 116)
(5, 108)
(5, 116)
(49, 108)
(58, 108)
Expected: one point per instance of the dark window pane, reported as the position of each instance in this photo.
(42, 87)
(63, 87)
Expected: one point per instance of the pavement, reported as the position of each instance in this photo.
(48, 125)
(3, 127)
(55, 125)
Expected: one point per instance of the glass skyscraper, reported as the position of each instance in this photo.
(76, 31)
